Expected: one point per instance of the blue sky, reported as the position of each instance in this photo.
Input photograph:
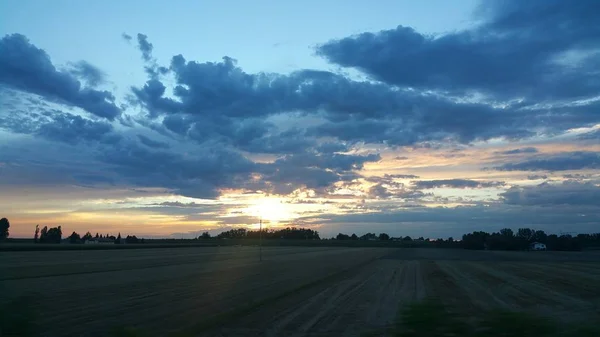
(427, 118)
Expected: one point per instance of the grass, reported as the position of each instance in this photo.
(429, 318)
(17, 318)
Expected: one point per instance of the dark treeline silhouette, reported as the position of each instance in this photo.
(289, 233)
(370, 237)
(54, 235)
(506, 239)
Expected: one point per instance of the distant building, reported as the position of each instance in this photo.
(537, 246)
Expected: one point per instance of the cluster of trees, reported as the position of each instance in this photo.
(370, 237)
(4, 225)
(48, 235)
(289, 233)
(506, 239)
(54, 235)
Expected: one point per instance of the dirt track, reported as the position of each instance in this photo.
(351, 291)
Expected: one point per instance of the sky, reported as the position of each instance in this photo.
(431, 118)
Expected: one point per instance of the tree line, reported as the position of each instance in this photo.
(54, 235)
(506, 239)
(289, 233)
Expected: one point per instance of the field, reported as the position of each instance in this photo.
(294, 291)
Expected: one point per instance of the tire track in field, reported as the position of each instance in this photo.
(137, 263)
(577, 284)
(366, 300)
(540, 297)
(479, 293)
(445, 289)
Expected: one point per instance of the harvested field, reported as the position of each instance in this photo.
(294, 291)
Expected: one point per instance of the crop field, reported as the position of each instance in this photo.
(294, 291)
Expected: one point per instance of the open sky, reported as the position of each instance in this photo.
(422, 118)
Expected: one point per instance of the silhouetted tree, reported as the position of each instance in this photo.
(341, 236)
(74, 238)
(539, 236)
(369, 236)
(205, 235)
(97, 236)
(132, 239)
(36, 236)
(384, 237)
(475, 240)
(353, 237)
(407, 238)
(52, 235)
(87, 236)
(43, 234)
(238, 233)
(4, 225)
(507, 232)
(118, 239)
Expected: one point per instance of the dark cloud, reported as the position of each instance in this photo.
(537, 176)
(456, 183)
(384, 191)
(59, 126)
(73, 129)
(200, 175)
(144, 46)
(126, 37)
(335, 161)
(578, 160)
(519, 151)
(517, 51)
(89, 73)
(537, 67)
(152, 143)
(545, 194)
(28, 68)
(400, 158)
(221, 93)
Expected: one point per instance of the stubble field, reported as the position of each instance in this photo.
(294, 291)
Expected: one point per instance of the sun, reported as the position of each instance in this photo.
(270, 209)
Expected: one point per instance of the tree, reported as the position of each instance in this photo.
(507, 232)
(132, 239)
(36, 236)
(407, 238)
(52, 235)
(539, 236)
(44, 234)
(74, 238)
(4, 225)
(384, 237)
(97, 236)
(353, 237)
(205, 235)
(525, 234)
(341, 236)
(87, 236)
(118, 239)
